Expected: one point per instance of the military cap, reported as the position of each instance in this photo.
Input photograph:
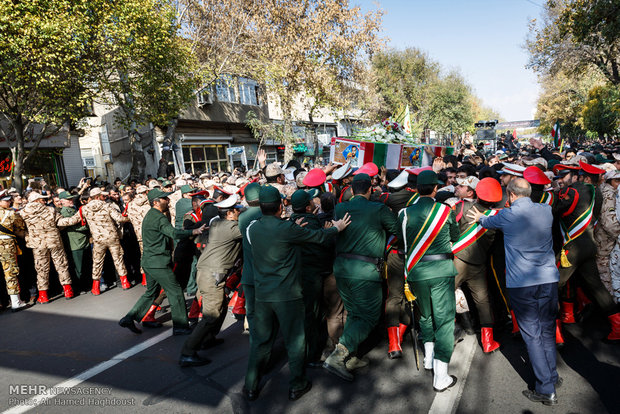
(186, 189)
(369, 168)
(65, 195)
(427, 177)
(535, 175)
(400, 181)
(230, 202)
(34, 196)
(141, 189)
(156, 193)
(300, 199)
(343, 171)
(269, 194)
(489, 189)
(97, 191)
(273, 170)
(314, 178)
(361, 177)
(252, 191)
(469, 181)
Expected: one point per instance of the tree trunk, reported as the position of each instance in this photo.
(166, 151)
(18, 156)
(288, 129)
(138, 160)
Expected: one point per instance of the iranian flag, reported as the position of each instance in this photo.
(555, 133)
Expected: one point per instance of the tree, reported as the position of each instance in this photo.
(309, 47)
(148, 70)
(575, 36)
(47, 65)
(449, 108)
(601, 112)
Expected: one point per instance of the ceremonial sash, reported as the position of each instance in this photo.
(197, 216)
(580, 225)
(547, 198)
(328, 187)
(473, 233)
(427, 234)
(414, 199)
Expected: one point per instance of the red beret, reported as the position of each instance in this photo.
(369, 168)
(560, 167)
(314, 178)
(591, 169)
(534, 175)
(489, 189)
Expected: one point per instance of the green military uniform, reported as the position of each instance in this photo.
(79, 243)
(247, 276)
(157, 236)
(182, 207)
(581, 251)
(219, 257)
(278, 286)
(359, 254)
(433, 281)
(315, 267)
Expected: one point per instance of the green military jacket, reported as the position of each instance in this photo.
(77, 235)
(573, 201)
(371, 224)
(275, 251)
(478, 252)
(182, 206)
(245, 218)
(316, 259)
(223, 247)
(397, 200)
(157, 237)
(416, 215)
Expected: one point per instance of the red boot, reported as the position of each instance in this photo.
(515, 325)
(95, 290)
(488, 343)
(149, 320)
(401, 331)
(394, 351)
(614, 319)
(567, 312)
(239, 308)
(582, 300)
(559, 338)
(43, 297)
(194, 310)
(144, 279)
(125, 283)
(68, 291)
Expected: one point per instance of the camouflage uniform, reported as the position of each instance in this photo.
(8, 248)
(174, 197)
(103, 220)
(287, 191)
(44, 239)
(136, 211)
(605, 234)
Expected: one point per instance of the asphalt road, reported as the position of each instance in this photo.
(78, 345)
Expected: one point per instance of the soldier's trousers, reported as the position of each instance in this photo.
(156, 279)
(312, 285)
(362, 300)
(42, 266)
(250, 298)
(214, 305)
(99, 249)
(395, 313)
(335, 313)
(290, 317)
(475, 277)
(583, 271)
(80, 258)
(8, 257)
(437, 306)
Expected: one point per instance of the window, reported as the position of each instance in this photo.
(225, 89)
(248, 91)
(205, 158)
(105, 142)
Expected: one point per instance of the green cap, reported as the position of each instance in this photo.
(65, 195)
(268, 194)
(551, 164)
(186, 189)
(166, 183)
(427, 177)
(361, 177)
(161, 179)
(251, 191)
(300, 199)
(157, 193)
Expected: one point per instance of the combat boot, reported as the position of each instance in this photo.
(441, 380)
(429, 355)
(144, 279)
(614, 319)
(95, 290)
(335, 363)
(567, 312)
(402, 328)
(559, 338)
(354, 363)
(194, 311)
(149, 320)
(515, 325)
(17, 304)
(43, 297)
(488, 343)
(394, 351)
(125, 283)
(68, 291)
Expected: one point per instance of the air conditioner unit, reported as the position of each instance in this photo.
(204, 96)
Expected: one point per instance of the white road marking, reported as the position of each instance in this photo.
(448, 401)
(88, 374)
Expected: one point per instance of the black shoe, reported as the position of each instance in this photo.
(559, 382)
(395, 354)
(452, 384)
(467, 323)
(212, 343)
(128, 323)
(297, 394)
(152, 324)
(193, 361)
(546, 399)
(315, 364)
(181, 331)
(251, 395)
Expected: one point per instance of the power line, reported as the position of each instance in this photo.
(535, 4)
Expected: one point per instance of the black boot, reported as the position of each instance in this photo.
(467, 324)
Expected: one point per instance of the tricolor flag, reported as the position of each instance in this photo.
(555, 133)
(404, 119)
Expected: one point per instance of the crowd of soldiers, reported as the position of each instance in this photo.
(328, 256)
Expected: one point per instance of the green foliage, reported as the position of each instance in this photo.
(449, 107)
(601, 112)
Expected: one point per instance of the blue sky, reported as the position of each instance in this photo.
(482, 39)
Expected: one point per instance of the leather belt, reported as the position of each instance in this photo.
(435, 257)
(367, 259)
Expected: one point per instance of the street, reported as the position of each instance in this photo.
(78, 347)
